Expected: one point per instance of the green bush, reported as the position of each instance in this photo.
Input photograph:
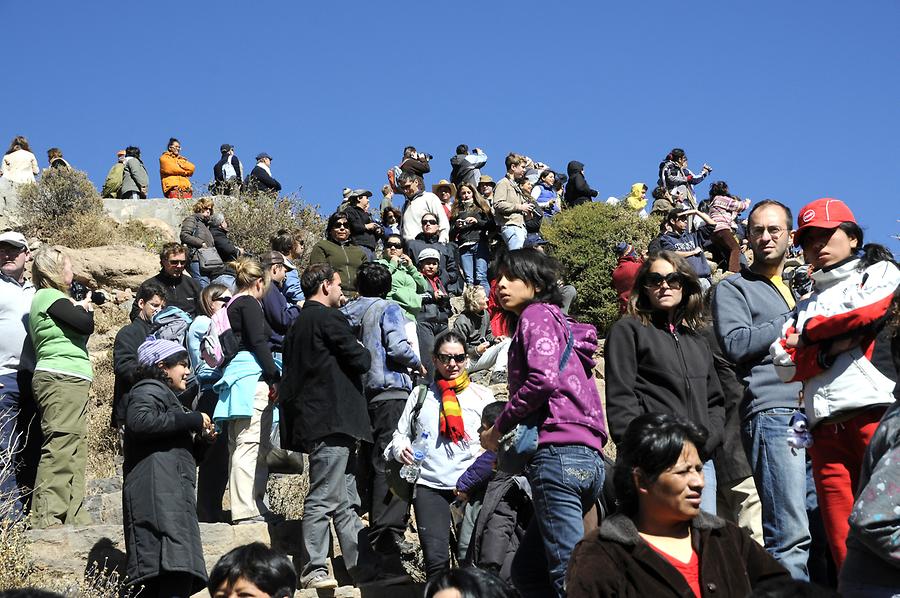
(584, 240)
(59, 199)
(255, 217)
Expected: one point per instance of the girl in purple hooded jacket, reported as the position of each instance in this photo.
(566, 473)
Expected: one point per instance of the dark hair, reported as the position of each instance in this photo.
(674, 214)
(409, 151)
(545, 173)
(265, 568)
(170, 249)
(652, 443)
(471, 583)
(535, 268)
(154, 372)
(313, 277)
(171, 141)
(871, 253)
(333, 219)
(447, 336)
(150, 288)
(492, 411)
(659, 192)
(718, 188)
(689, 312)
(408, 177)
(462, 149)
(373, 280)
(18, 142)
(676, 154)
(282, 241)
(391, 210)
(432, 214)
(133, 151)
(771, 202)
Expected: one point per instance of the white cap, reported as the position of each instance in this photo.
(428, 253)
(15, 239)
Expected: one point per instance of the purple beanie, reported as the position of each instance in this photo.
(154, 350)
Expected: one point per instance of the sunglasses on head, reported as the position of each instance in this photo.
(654, 280)
(446, 359)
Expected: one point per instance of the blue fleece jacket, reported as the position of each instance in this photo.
(279, 315)
(749, 313)
(381, 326)
(291, 289)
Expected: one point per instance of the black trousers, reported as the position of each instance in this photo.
(213, 474)
(433, 520)
(389, 514)
(169, 585)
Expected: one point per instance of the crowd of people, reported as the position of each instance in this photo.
(422, 356)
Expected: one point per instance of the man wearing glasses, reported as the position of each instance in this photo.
(750, 309)
(418, 203)
(687, 244)
(181, 291)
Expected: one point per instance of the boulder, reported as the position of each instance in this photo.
(113, 266)
(164, 228)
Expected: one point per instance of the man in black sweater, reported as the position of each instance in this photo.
(151, 297)
(181, 291)
(260, 177)
(324, 413)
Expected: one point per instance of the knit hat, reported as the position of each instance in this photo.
(428, 254)
(154, 350)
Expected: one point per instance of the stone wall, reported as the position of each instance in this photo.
(170, 211)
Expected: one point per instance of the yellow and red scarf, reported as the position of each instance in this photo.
(451, 420)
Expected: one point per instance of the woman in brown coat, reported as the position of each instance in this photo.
(660, 543)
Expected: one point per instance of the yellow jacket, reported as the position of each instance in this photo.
(174, 172)
(634, 199)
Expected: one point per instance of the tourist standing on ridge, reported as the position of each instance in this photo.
(510, 205)
(544, 193)
(465, 167)
(414, 162)
(113, 183)
(135, 180)
(175, 172)
(228, 172)
(19, 164)
(260, 178)
(678, 180)
(364, 232)
(195, 235)
(577, 189)
(418, 203)
(56, 160)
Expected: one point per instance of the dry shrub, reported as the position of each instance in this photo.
(49, 207)
(255, 217)
(138, 234)
(103, 442)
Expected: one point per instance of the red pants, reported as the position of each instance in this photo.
(180, 194)
(837, 456)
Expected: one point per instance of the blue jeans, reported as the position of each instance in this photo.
(194, 268)
(781, 480)
(474, 261)
(513, 235)
(10, 443)
(565, 483)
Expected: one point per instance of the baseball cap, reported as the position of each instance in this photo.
(621, 247)
(271, 258)
(822, 213)
(120, 153)
(15, 239)
(262, 155)
(428, 254)
(359, 193)
(226, 147)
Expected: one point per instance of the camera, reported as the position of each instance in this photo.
(426, 157)
(79, 292)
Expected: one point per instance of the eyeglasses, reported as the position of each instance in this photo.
(338, 225)
(654, 280)
(177, 262)
(427, 222)
(774, 231)
(446, 359)
(394, 246)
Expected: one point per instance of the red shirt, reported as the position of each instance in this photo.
(690, 570)
(623, 278)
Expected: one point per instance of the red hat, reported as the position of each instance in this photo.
(822, 213)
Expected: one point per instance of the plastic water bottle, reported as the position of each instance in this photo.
(420, 447)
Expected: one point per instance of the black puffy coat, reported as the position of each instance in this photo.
(159, 507)
(577, 189)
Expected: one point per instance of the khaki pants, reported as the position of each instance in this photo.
(738, 502)
(59, 486)
(249, 441)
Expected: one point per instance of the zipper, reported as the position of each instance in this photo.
(687, 381)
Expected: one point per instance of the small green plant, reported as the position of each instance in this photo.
(583, 240)
(52, 205)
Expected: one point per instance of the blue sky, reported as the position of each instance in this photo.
(788, 100)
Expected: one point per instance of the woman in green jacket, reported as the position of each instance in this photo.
(407, 284)
(336, 251)
(59, 328)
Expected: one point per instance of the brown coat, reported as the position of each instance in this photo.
(615, 561)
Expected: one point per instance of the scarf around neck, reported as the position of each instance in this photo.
(451, 421)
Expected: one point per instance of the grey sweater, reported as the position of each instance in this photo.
(749, 313)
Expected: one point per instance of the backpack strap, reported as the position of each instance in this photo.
(420, 400)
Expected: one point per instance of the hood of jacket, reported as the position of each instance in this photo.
(637, 190)
(574, 168)
(354, 310)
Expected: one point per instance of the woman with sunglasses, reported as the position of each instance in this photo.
(407, 284)
(657, 361)
(337, 251)
(550, 373)
(451, 415)
(213, 474)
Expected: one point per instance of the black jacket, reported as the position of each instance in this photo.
(357, 219)
(262, 180)
(248, 323)
(505, 514)
(577, 189)
(652, 370)
(615, 561)
(125, 364)
(159, 508)
(413, 166)
(448, 268)
(322, 391)
(227, 251)
(465, 234)
(183, 293)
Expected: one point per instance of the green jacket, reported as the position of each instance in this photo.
(113, 183)
(407, 286)
(344, 259)
(58, 349)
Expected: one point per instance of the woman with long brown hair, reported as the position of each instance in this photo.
(470, 220)
(657, 361)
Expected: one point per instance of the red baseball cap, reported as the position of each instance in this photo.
(822, 213)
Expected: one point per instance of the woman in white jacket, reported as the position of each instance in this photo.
(19, 164)
(830, 346)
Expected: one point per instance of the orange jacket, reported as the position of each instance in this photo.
(174, 172)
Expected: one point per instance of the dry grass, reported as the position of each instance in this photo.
(287, 493)
(103, 446)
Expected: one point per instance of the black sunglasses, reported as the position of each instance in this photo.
(178, 262)
(424, 222)
(394, 245)
(446, 359)
(654, 280)
(338, 225)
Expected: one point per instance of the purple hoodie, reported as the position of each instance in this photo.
(575, 411)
